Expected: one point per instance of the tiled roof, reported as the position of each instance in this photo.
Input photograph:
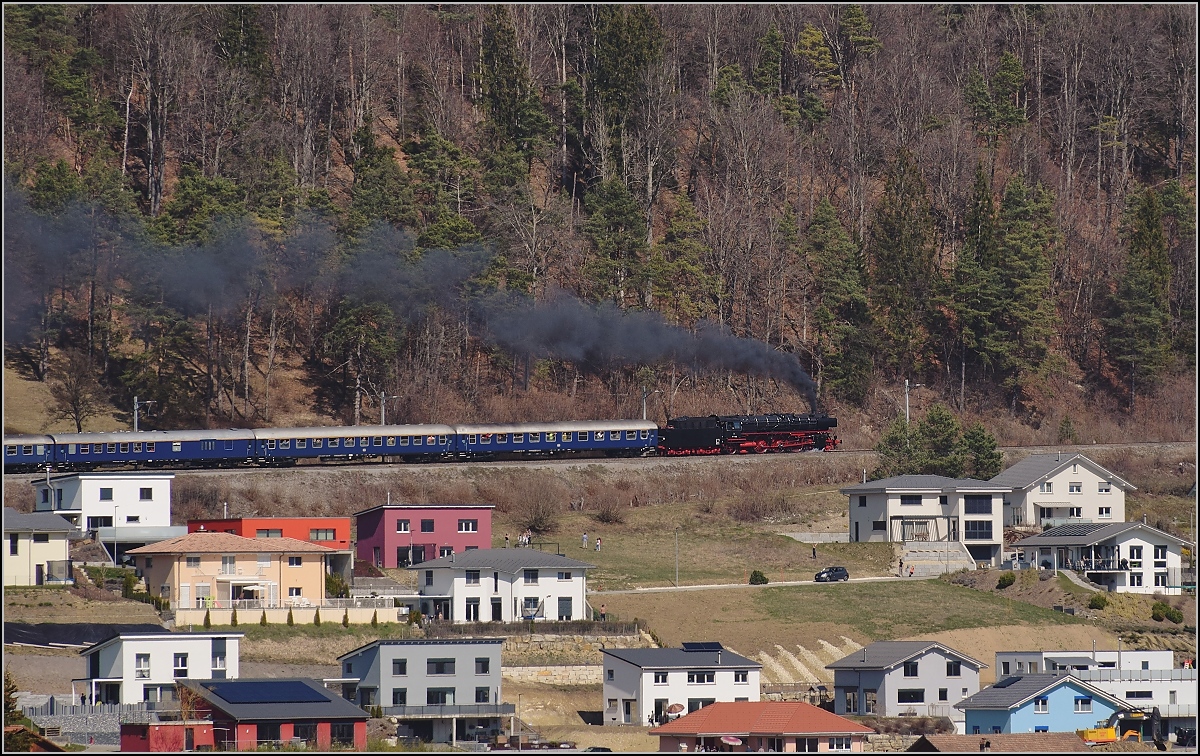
(678, 658)
(504, 560)
(1087, 533)
(1010, 692)
(209, 542)
(34, 522)
(888, 654)
(925, 483)
(1019, 742)
(764, 718)
(1037, 467)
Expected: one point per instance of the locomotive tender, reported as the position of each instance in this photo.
(710, 435)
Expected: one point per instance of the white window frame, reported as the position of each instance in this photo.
(1041, 705)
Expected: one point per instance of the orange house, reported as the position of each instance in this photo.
(331, 532)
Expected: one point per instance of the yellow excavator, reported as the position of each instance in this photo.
(1109, 732)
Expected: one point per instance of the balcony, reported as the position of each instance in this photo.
(1052, 522)
(451, 710)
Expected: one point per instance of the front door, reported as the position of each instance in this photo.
(418, 554)
(628, 712)
(189, 739)
(497, 611)
(564, 608)
(953, 529)
(856, 532)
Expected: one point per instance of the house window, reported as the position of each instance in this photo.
(218, 661)
(106, 494)
(181, 665)
(1041, 705)
(910, 669)
(41, 538)
(1160, 580)
(1046, 487)
(399, 667)
(439, 696)
(322, 534)
(695, 704)
(1083, 704)
(910, 695)
(943, 694)
(610, 674)
(426, 526)
(481, 695)
(977, 530)
(1138, 694)
(228, 565)
(472, 577)
(483, 665)
(531, 577)
(133, 519)
(954, 669)
(149, 562)
(1104, 486)
(840, 743)
(402, 526)
(468, 526)
(264, 562)
(193, 562)
(741, 676)
(878, 525)
(472, 614)
(146, 494)
(862, 501)
(943, 500)
(1075, 487)
(701, 677)
(977, 505)
(141, 668)
(446, 551)
(1105, 513)
(1004, 667)
(268, 533)
(776, 744)
(1160, 556)
(295, 561)
(1075, 512)
(428, 577)
(910, 500)
(399, 696)
(660, 678)
(564, 576)
(294, 591)
(1135, 557)
(439, 667)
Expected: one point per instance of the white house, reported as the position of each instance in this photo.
(441, 690)
(1034, 662)
(1126, 557)
(503, 585)
(640, 684)
(107, 500)
(132, 668)
(897, 678)
(37, 551)
(930, 509)
(1054, 489)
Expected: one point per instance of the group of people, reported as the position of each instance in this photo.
(585, 541)
(523, 539)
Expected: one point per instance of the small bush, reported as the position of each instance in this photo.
(233, 618)
(291, 620)
(1006, 579)
(758, 578)
(1098, 601)
(1162, 610)
(1044, 575)
(207, 619)
(317, 618)
(346, 618)
(375, 618)
(609, 513)
(539, 515)
(414, 617)
(263, 619)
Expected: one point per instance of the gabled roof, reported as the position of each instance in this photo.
(681, 658)
(211, 542)
(156, 636)
(1017, 742)
(1038, 467)
(503, 560)
(1088, 533)
(764, 718)
(35, 522)
(1011, 692)
(302, 699)
(888, 654)
(939, 483)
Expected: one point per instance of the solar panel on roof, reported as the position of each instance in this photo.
(267, 691)
(705, 646)
(1006, 682)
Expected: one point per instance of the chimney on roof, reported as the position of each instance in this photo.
(718, 657)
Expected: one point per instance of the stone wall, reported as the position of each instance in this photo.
(538, 649)
(889, 742)
(575, 674)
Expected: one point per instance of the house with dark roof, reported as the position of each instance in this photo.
(1054, 489)
(1024, 742)
(643, 685)
(36, 551)
(792, 726)
(1047, 702)
(1126, 557)
(440, 690)
(948, 514)
(248, 714)
(503, 585)
(898, 678)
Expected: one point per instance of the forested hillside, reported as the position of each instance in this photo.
(251, 215)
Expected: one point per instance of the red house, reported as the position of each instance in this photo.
(331, 532)
(397, 535)
(161, 737)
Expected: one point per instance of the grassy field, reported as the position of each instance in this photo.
(713, 548)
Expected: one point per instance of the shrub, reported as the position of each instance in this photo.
(758, 578)
(1162, 610)
(539, 515)
(377, 711)
(1006, 579)
(609, 513)
(336, 586)
(207, 619)
(291, 620)
(375, 618)
(233, 618)
(414, 617)
(317, 618)
(263, 619)
(1098, 601)
(345, 618)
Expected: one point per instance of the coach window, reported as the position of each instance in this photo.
(378, 441)
(486, 438)
(349, 442)
(567, 436)
(176, 446)
(149, 447)
(404, 440)
(630, 435)
(391, 441)
(417, 440)
(10, 451)
(502, 438)
(363, 442)
(125, 448)
(83, 448)
(518, 438)
(333, 443)
(645, 434)
(472, 438)
(583, 435)
(285, 443)
(535, 438)
(318, 443)
(443, 439)
(301, 443)
(137, 447)
(270, 443)
(551, 437)
(111, 448)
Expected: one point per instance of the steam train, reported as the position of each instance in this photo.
(684, 436)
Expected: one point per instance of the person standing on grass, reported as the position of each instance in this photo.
(603, 613)
(597, 543)
(585, 539)
(506, 540)
(814, 553)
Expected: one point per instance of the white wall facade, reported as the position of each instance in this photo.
(119, 662)
(1146, 562)
(1017, 662)
(128, 499)
(23, 554)
(1076, 493)
(875, 516)
(1171, 691)
(852, 688)
(639, 687)
(512, 591)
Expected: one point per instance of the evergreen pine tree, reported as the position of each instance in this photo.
(317, 618)
(939, 442)
(508, 95)
(983, 458)
(290, 620)
(233, 620)
(976, 299)
(767, 74)
(674, 281)
(262, 621)
(207, 619)
(345, 618)
(617, 230)
(898, 449)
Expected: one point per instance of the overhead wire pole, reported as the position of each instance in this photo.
(136, 405)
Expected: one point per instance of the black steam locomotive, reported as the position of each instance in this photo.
(747, 434)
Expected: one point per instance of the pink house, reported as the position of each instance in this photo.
(397, 535)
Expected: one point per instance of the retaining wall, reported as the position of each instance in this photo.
(300, 615)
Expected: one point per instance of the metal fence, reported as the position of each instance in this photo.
(548, 627)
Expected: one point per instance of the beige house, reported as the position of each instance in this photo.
(209, 570)
(36, 551)
(1057, 489)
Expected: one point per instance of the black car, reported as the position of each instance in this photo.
(832, 575)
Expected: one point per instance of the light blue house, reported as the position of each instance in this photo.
(1054, 702)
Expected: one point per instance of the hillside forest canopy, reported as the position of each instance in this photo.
(720, 207)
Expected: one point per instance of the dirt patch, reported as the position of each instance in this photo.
(558, 713)
(35, 605)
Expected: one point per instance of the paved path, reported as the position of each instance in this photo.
(1074, 578)
(719, 586)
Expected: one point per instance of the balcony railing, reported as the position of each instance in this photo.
(288, 602)
(452, 710)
